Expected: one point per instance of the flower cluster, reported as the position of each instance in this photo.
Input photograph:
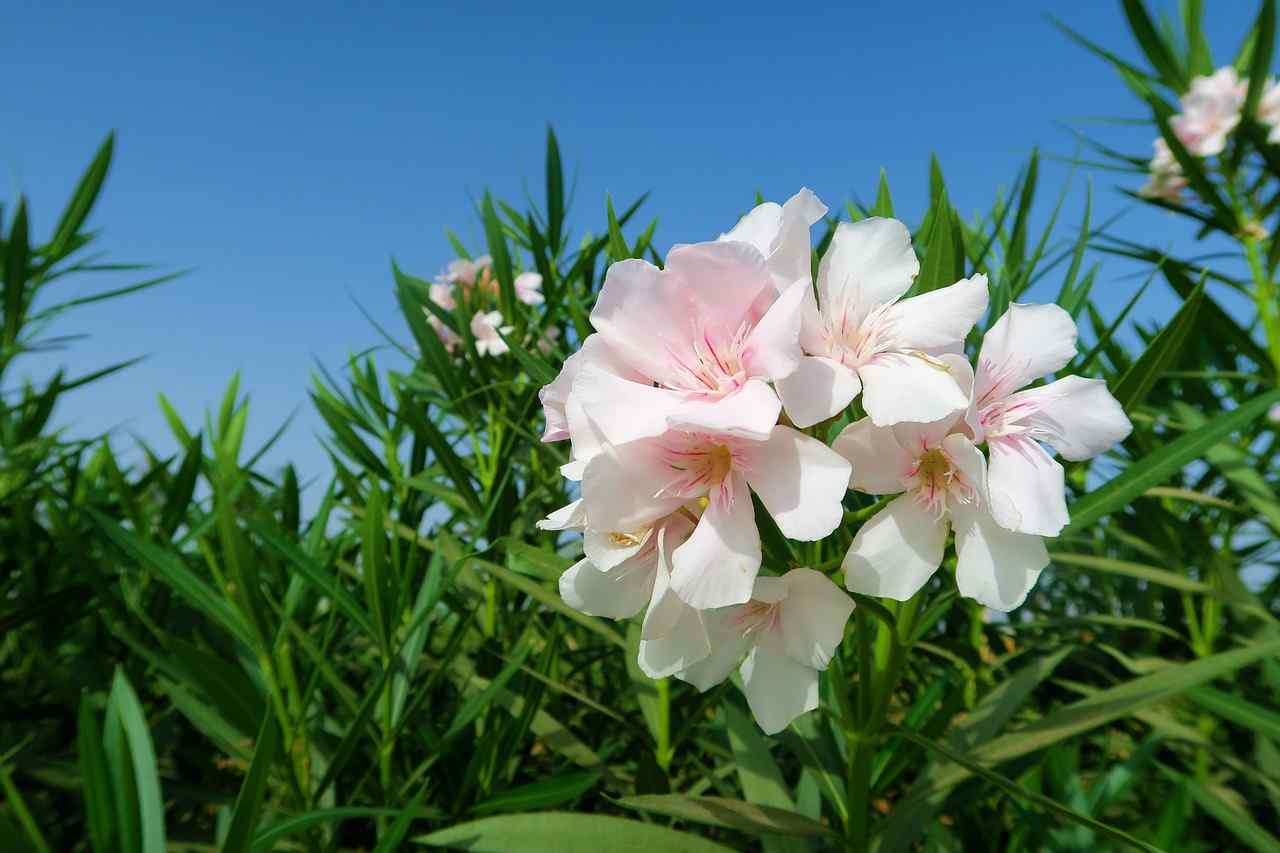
(1211, 109)
(687, 405)
(474, 282)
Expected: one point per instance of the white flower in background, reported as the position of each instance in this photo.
(941, 478)
(861, 336)
(1078, 417)
(487, 328)
(465, 272)
(528, 287)
(1273, 414)
(442, 295)
(1210, 110)
(799, 480)
(781, 234)
(1269, 109)
(1165, 180)
(787, 633)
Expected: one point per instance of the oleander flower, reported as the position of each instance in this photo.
(784, 635)
(861, 336)
(781, 233)
(800, 481)
(487, 328)
(442, 295)
(940, 477)
(1210, 110)
(528, 286)
(448, 337)
(1165, 179)
(1078, 417)
(1269, 110)
(465, 272)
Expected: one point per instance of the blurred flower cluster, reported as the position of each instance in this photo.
(473, 282)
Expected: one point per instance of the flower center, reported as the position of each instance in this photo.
(853, 342)
(936, 479)
(702, 465)
(714, 366)
(757, 616)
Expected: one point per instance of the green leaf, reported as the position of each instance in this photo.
(502, 268)
(248, 807)
(1018, 238)
(390, 840)
(733, 814)
(178, 499)
(1263, 721)
(1238, 823)
(944, 258)
(1160, 355)
(618, 249)
(555, 194)
(145, 776)
(562, 832)
(267, 839)
(758, 773)
(16, 257)
(1158, 53)
(1264, 29)
(99, 804)
(83, 199)
(1158, 466)
(545, 793)
(884, 201)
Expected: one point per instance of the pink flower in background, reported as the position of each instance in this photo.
(1210, 111)
(1165, 180)
(442, 295)
(547, 342)
(487, 328)
(1269, 110)
(787, 632)
(1077, 416)
(528, 287)
(466, 272)
(941, 478)
(697, 344)
(799, 480)
(447, 336)
(781, 234)
(862, 336)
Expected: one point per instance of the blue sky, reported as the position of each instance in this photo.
(286, 152)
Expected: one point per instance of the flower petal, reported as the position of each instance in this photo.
(996, 567)
(1077, 416)
(917, 387)
(643, 316)
(719, 283)
(781, 234)
(812, 617)
(895, 553)
(772, 349)
(879, 462)
(749, 412)
(820, 388)
(1027, 342)
(718, 563)
(572, 516)
(778, 689)
(869, 263)
(622, 410)
(684, 645)
(1027, 487)
(619, 487)
(618, 594)
(941, 318)
(800, 481)
(728, 645)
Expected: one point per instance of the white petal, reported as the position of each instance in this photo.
(1027, 342)
(916, 438)
(898, 387)
(869, 262)
(820, 388)
(728, 645)
(570, 517)
(720, 283)
(760, 227)
(718, 563)
(1027, 487)
(940, 318)
(812, 617)
(622, 410)
(749, 412)
(665, 607)
(897, 551)
(968, 462)
(995, 567)
(772, 349)
(684, 645)
(619, 487)
(643, 316)
(618, 594)
(606, 549)
(778, 689)
(879, 462)
(800, 481)
(1077, 416)
(781, 234)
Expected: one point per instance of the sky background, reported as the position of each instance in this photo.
(284, 153)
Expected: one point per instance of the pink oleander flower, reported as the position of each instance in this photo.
(940, 477)
(466, 272)
(1165, 180)
(547, 342)
(448, 337)
(1210, 110)
(1273, 414)
(1269, 110)
(1078, 417)
(442, 295)
(784, 635)
(781, 234)
(487, 328)
(528, 287)
(799, 480)
(692, 346)
(861, 336)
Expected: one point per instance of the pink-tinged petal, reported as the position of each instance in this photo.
(995, 567)
(879, 462)
(586, 439)
(820, 388)
(916, 438)
(619, 594)
(812, 617)
(528, 287)
(799, 480)
(941, 318)
(760, 227)
(572, 516)
(1077, 416)
(897, 551)
(684, 644)
(749, 412)
(968, 463)
(869, 263)
(1027, 342)
(772, 349)
(621, 484)
(1027, 487)
(728, 645)
(554, 396)
(718, 563)
(915, 387)
(644, 317)
(813, 332)
(792, 253)
(623, 410)
(720, 283)
(609, 548)
(770, 589)
(778, 689)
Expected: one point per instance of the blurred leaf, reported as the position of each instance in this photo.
(249, 802)
(561, 832)
(545, 793)
(733, 814)
(1161, 354)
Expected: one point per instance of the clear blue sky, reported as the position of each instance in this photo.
(286, 151)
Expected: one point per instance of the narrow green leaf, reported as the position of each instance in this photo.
(733, 814)
(83, 199)
(1158, 53)
(562, 832)
(543, 794)
(1162, 354)
(555, 194)
(248, 808)
(99, 803)
(145, 776)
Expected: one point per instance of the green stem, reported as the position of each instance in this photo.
(1265, 297)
